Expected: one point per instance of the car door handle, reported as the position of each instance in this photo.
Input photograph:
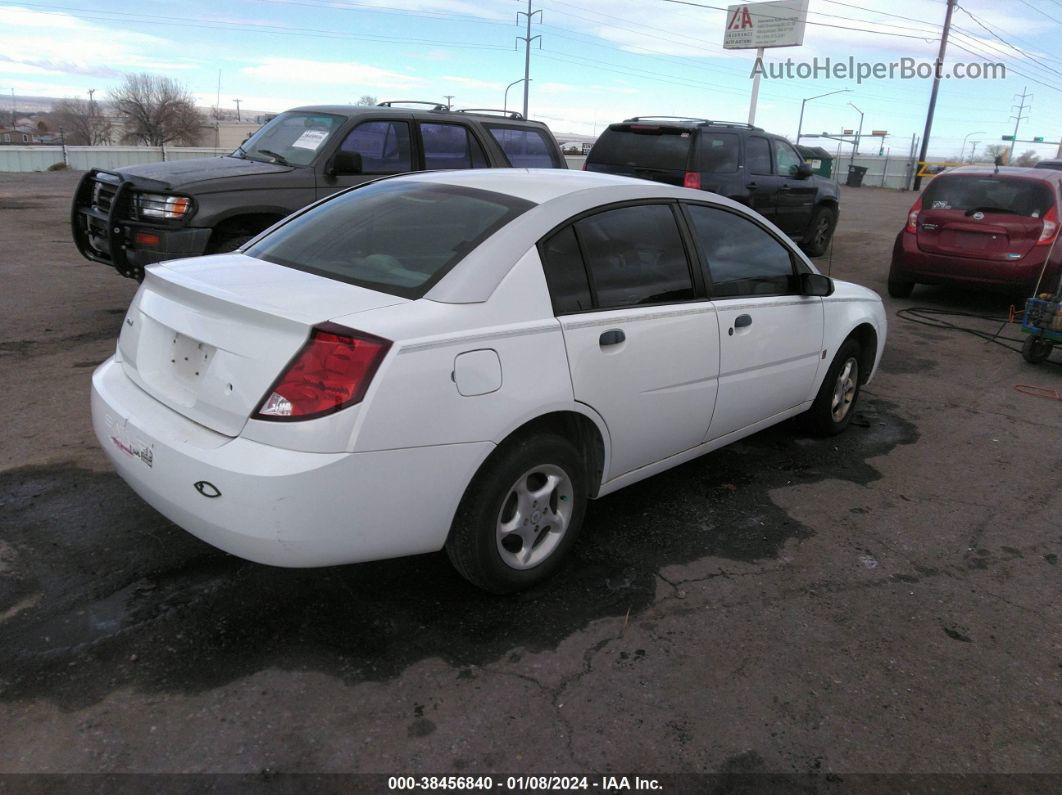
(612, 337)
(752, 185)
(785, 188)
(742, 320)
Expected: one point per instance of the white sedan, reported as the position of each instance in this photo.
(464, 359)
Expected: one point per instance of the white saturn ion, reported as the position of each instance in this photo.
(462, 360)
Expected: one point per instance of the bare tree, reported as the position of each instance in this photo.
(1027, 158)
(366, 99)
(156, 110)
(83, 122)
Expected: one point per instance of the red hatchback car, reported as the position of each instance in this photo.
(982, 227)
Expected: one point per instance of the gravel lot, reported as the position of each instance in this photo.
(886, 601)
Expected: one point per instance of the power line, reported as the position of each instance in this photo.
(1021, 52)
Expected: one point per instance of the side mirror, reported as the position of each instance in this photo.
(804, 170)
(815, 284)
(346, 163)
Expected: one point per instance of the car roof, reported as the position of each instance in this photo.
(1044, 174)
(405, 112)
(537, 185)
(688, 123)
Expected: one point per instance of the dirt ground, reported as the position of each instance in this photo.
(887, 601)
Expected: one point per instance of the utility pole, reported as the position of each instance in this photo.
(527, 38)
(238, 117)
(92, 118)
(449, 101)
(936, 87)
(1017, 121)
(14, 111)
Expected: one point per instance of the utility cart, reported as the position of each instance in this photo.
(1043, 323)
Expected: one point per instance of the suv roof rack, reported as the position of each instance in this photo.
(511, 114)
(714, 122)
(391, 102)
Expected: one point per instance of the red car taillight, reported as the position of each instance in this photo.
(1050, 230)
(331, 371)
(692, 180)
(912, 216)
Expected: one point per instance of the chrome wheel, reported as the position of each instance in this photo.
(822, 233)
(844, 390)
(534, 516)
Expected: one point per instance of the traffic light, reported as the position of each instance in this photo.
(1008, 137)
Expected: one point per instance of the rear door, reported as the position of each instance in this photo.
(386, 147)
(770, 335)
(761, 182)
(642, 341)
(983, 216)
(656, 152)
(450, 145)
(526, 146)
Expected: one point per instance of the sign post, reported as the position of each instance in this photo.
(758, 26)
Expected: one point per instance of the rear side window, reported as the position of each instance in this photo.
(635, 256)
(741, 258)
(643, 146)
(1028, 197)
(757, 155)
(395, 236)
(450, 146)
(525, 148)
(717, 153)
(562, 262)
(383, 146)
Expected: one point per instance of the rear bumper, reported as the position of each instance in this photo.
(912, 264)
(276, 506)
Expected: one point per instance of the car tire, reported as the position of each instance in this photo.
(1035, 350)
(226, 243)
(835, 404)
(900, 288)
(820, 230)
(505, 534)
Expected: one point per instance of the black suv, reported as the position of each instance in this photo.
(739, 161)
(133, 216)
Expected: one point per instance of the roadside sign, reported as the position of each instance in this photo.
(875, 133)
(1008, 137)
(752, 26)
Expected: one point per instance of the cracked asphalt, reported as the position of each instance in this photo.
(886, 601)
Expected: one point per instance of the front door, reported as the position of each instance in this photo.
(385, 146)
(795, 199)
(770, 335)
(642, 341)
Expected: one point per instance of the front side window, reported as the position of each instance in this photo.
(786, 159)
(524, 148)
(395, 236)
(757, 155)
(635, 256)
(741, 257)
(293, 138)
(383, 146)
(450, 146)
(717, 153)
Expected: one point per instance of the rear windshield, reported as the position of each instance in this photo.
(398, 237)
(1026, 197)
(659, 148)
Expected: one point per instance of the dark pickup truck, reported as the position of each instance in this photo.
(133, 216)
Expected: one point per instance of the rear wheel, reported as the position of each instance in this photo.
(820, 230)
(520, 515)
(835, 404)
(898, 287)
(1035, 349)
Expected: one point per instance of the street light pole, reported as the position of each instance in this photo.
(965, 139)
(505, 100)
(803, 102)
(859, 134)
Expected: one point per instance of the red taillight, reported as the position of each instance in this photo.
(912, 216)
(331, 371)
(692, 180)
(1050, 230)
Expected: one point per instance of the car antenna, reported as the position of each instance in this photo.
(829, 257)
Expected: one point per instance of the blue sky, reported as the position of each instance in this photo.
(600, 61)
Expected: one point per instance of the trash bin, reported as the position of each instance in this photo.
(855, 176)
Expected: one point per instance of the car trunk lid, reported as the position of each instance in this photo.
(986, 217)
(208, 336)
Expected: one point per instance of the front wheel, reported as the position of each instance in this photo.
(835, 404)
(1035, 349)
(520, 515)
(820, 230)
